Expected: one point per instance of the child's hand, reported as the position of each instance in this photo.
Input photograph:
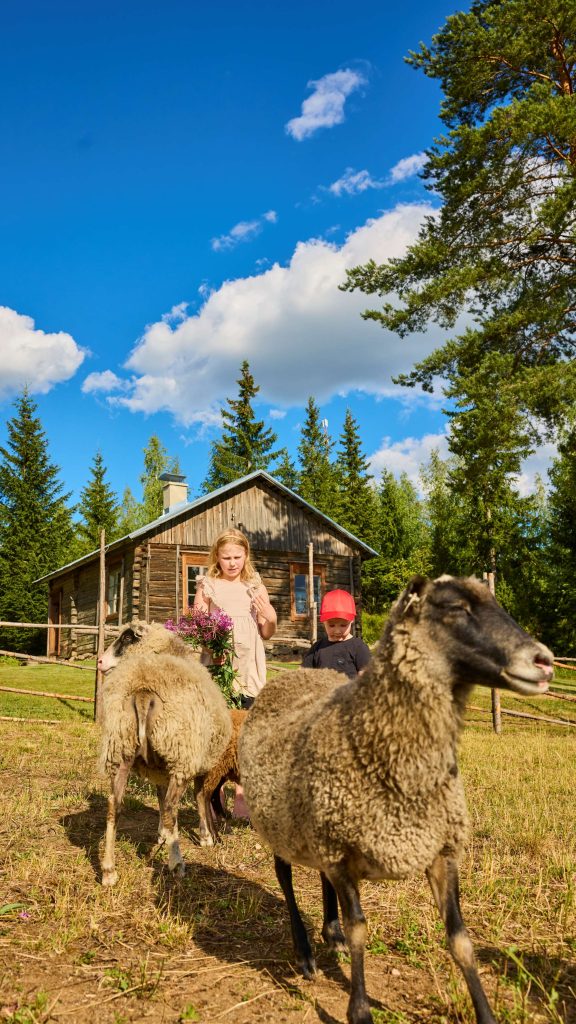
(261, 605)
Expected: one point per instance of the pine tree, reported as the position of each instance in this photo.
(559, 620)
(357, 504)
(403, 543)
(156, 462)
(36, 529)
(246, 445)
(318, 481)
(286, 471)
(98, 507)
(502, 248)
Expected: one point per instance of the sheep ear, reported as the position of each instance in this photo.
(410, 596)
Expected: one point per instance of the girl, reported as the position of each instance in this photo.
(233, 585)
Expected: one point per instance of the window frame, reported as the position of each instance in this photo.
(301, 569)
(190, 560)
(114, 570)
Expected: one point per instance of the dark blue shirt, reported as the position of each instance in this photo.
(347, 656)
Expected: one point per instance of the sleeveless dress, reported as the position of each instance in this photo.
(235, 599)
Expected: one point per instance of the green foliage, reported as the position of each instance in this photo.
(286, 471)
(559, 571)
(402, 539)
(502, 247)
(357, 509)
(98, 507)
(317, 480)
(156, 462)
(130, 514)
(246, 445)
(493, 267)
(372, 625)
(35, 526)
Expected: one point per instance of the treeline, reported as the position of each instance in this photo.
(435, 528)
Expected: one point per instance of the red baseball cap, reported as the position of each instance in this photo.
(337, 604)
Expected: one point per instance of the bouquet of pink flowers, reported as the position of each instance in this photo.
(212, 631)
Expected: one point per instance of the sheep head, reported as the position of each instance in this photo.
(472, 639)
(141, 638)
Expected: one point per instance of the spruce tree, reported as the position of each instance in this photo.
(286, 471)
(357, 503)
(402, 540)
(35, 526)
(559, 573)
(318, 481)
(246, 444)
(98, 507)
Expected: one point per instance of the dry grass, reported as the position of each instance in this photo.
(215, 946)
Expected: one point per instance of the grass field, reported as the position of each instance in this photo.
(215, 946)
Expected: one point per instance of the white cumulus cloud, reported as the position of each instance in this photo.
(325, 107)
(299, 332)
(408, 167)
(106, 381)
(244, 231)
(353, 182)
(33, 359)
(407, 456)
(411, 453)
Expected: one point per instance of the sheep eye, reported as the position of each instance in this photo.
(455, 607)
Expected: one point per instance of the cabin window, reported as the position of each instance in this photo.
(193, 565)
(113, 592)
(299, 589)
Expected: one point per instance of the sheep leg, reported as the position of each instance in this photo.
(443, 879)
(215, 799)
(169, 798)
(331, 931)
(358, 1011)
(206, 828)
(300, 940)
(117, 787)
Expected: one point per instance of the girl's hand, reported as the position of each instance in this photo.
(263, 608)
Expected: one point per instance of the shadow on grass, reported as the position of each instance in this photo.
(138, 822)
(239, 921)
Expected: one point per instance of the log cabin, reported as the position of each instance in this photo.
(151, 573)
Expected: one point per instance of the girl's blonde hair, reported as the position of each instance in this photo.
(231, 536)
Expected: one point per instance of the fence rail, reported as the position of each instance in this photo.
(43, 660)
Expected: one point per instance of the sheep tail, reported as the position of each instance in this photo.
(143, 704)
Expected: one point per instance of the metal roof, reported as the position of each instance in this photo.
(186, 507)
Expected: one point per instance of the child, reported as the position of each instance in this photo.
(339, 650)
(233, 585)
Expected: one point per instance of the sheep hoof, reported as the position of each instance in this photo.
(307, 968)
(334, 937)
(360, 1014)
(109, 877)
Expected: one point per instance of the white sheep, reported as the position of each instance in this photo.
(364, 781)
(164, 717)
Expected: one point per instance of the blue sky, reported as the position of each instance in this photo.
(182, 188)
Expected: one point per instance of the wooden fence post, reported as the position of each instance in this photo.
(311, 595)
(101, 624)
